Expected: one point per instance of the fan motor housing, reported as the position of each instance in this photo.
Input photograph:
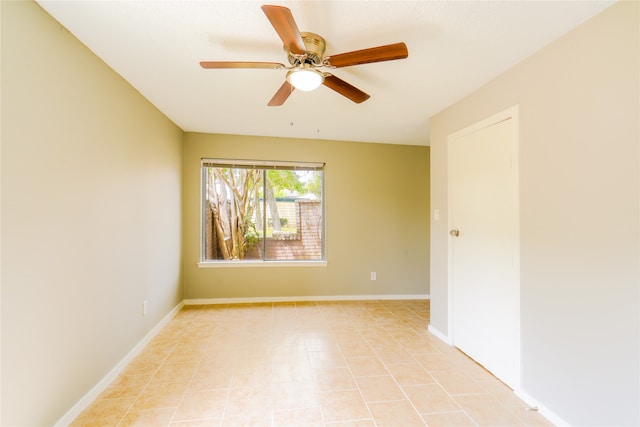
(315, 46)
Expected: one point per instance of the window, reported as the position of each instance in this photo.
(262, 211)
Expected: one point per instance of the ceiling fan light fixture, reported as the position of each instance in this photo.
(305, 79)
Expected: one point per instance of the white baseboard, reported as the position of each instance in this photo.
(88, 398)
(208, 301)
(544, 411)
(439, 335)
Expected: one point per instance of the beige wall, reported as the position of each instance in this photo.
(377, 210)
(90, 217)
(579, 104)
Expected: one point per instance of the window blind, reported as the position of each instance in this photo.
(261, 164)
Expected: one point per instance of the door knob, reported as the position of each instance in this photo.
(454, 232)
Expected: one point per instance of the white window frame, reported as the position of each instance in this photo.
(265, 165)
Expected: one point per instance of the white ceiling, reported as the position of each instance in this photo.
(454, 48)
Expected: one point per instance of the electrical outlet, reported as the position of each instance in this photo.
(373, 275)
(144, 308)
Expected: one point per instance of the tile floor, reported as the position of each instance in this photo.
(352, 363)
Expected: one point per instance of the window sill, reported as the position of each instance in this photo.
(253, 264)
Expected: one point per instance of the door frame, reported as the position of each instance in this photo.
(511, 113)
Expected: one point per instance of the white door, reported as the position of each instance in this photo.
(484, 243)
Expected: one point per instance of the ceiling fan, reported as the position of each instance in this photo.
(305, 52)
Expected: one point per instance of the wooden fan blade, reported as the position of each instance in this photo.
(365, 56)
(240, 64)
(344, 88)
(284, 24)
(281, 95)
